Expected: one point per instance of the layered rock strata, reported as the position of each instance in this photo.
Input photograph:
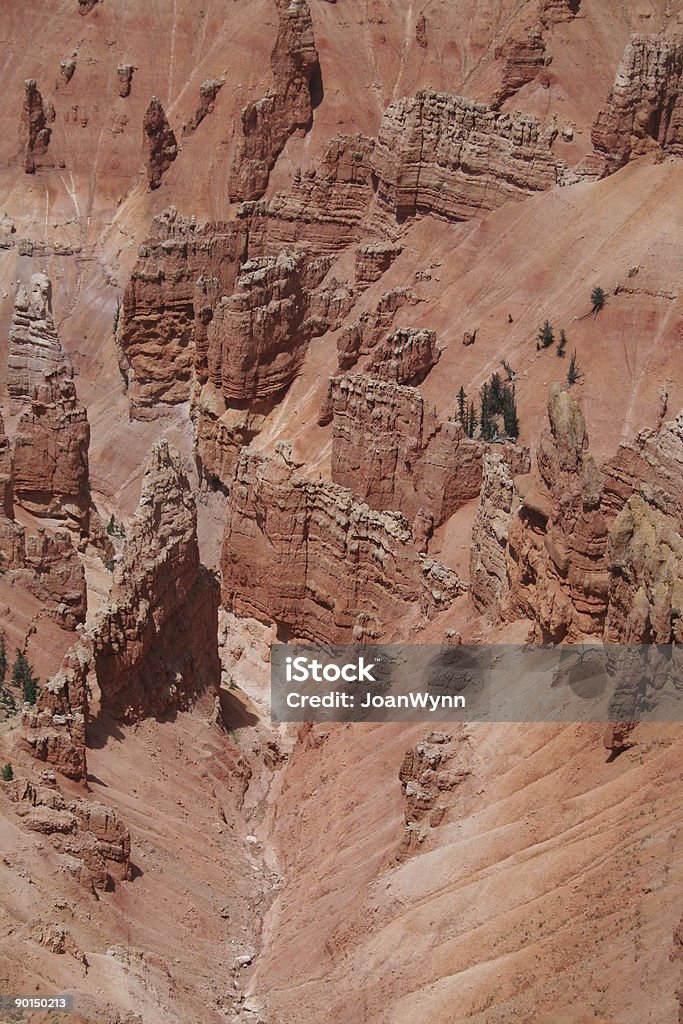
(320, 564)
(645, 107)
(360, 337)
(259, 335)
(268, 123)
(405, 357)
(34, 347)
(208, 91)
(450, 156)
(92, 839)
(124, 79)
(374, 260)
(324, 210)
(160, 143)
(182, 270)
(390, 448)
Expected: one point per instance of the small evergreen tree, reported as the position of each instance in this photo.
(487, 424)
(462, 405)
(471, 420)
(510, 420)
(111, 526)
(573, 373)
(3, 658)
(598, 299)
(23, 678)
(495, 395)
(7, 702)
(545, 336)
(7, 772)
(562, 344)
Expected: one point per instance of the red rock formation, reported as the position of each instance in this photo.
(51, 452)
(34, 134)
(324, 210)
(259, 335)
(523, 60)
(288, 107)
(54, 729)
(34, 346)
(155, 646)
(53, 572)
(85, 6)
(208, 91)
(677, 955)
(498, 504)
(405, 357)
(429, 772)
(553, 11)
(320, 564)
(161, 146)
(390, 449)
(645, 107)
(374, 260)
(162, 336)
(558, 543)
(654, 458)
(6, 474)
(361, 336)
(93, 836)
(124, 79)
(421, 32)
(67, 69)
(450, 156)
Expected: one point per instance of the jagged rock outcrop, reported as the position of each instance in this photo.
(259, 335)
(67, 69)
(51, 452)
(360, 337)
(523, 61)
(645, 107)
(34, 133)
(160, 143)
(53, 730)
(325, 208)
(554, 11)
(405, 357)
(677, 955)
(85, 6)
(654, 458)
(34, 347)
(429, 772)
(557, 545)
(6, 474)
(53, 572)
(124, 79)
(498, 503)
(208, 91)
(450, 156)
(392, 451)
(50, 474)
(182, 270)
(93, 840)
(288, 107)
(374, 260)
(306, 555)
(155, 646)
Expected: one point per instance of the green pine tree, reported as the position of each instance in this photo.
(545, 336)
(3, 658)
(573, 373)
(598, 299)
(7, 772)
(510, 420)
(462, 405)
(23, 678)
(562, 344)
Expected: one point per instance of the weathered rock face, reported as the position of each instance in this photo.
(6, 474)
(161, 146)
(553, 11)
(34, 346)
(34, 133)
(259, 335)
(124, 79)
(450, 156)
(51, 452)
(360, 337)
(155, 647)
(320, 564)
(558, 543)
(498, 503)
(523, 61)
(208, 91)
(324, 210)
(645, 107)
(288, 107)
(182, 270)
(53, 572)
(54, 729)
(374, 260)
(654, 458)
(93, 836)
(405, 357)
(646, 586)
(677, 955)
(390, 449)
